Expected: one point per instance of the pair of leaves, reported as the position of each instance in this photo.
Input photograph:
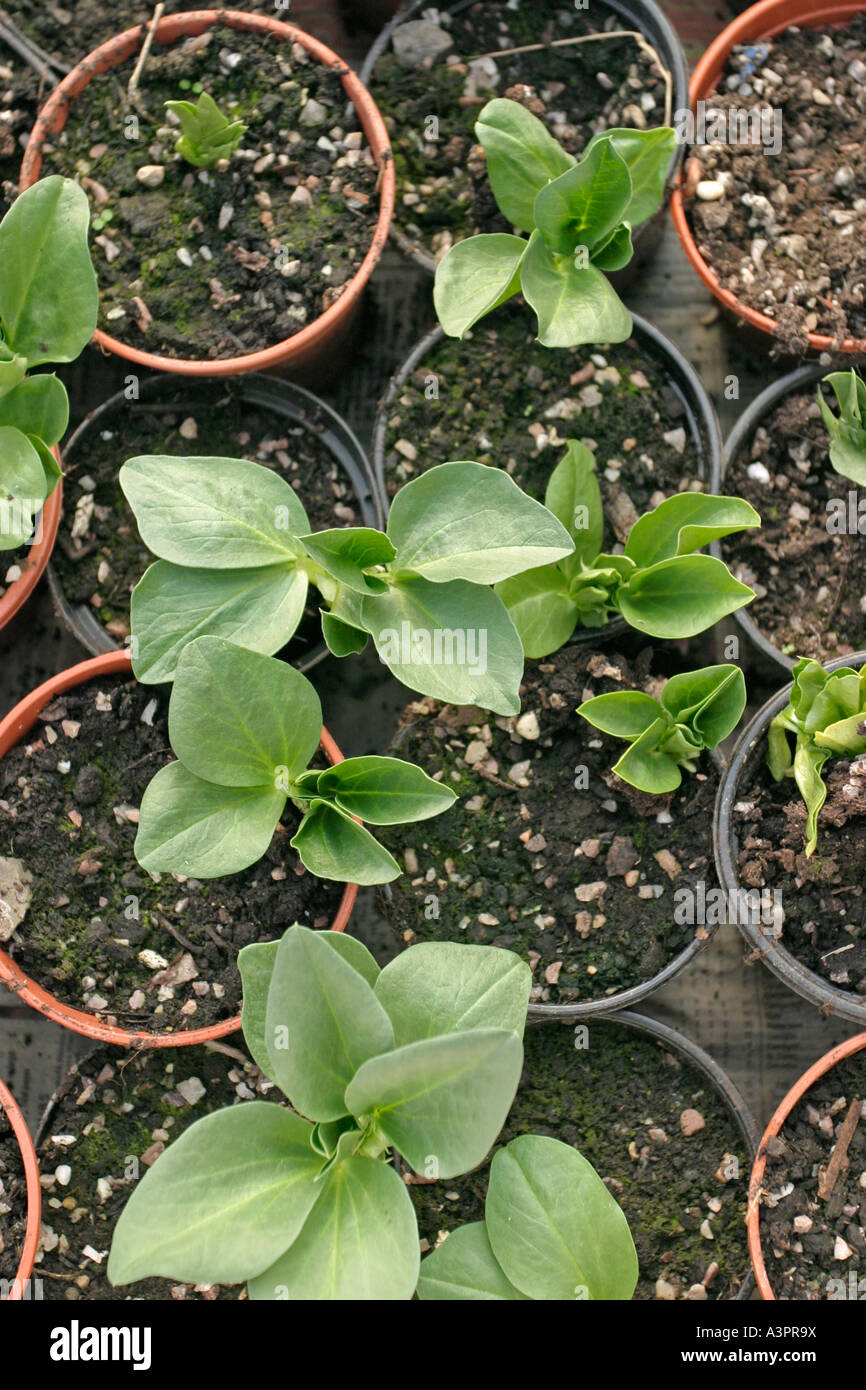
(697, 710)
(236, 556)
(206, 134)
(579, 216)
(658, 585)
(300, 1207)
(551, 1230)
(826, 715)
(847, 431)
(244, 727)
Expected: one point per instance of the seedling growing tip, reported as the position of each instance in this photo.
(207, 136)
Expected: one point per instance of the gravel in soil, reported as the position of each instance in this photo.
(13, 1201)
(547, 852)
(813, 1222)
(807, 568)
(113, 1116)
(99, 556)
(500, 398)
(431, 86)
(821, 901)
(779, 220)
(215, 263)
(101, 934)
(657, 1133)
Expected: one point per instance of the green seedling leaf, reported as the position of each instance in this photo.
(808, 763)
(22, 488)
(12, 369)
(541, 609)
(584, 205)
(50, 466)
(646, 763)
(522, 156)
(554, 1228)
(681, 597)
(710, 701)
(467, 521)
(207, 135)
(346, 553)
(684, 523)
(464, 1267)
(222, 1202)
(38, 406)
(332, 845)
(48, 291)
(196, 828)
(647, 155)
(384, 791)
(622, 713)
(445, 987)
(475, 277)
(256, 966)
(574, 497)
(574, 305)
(214, 513)
(359, 1243)
(847, 432)
(616, 252)
(241, 719)
(340, 638)
(442, 1099)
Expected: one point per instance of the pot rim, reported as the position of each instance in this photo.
(34, 1192)
(53, 116)
(659, 30)
(38, 555)
(840, 1003)
(273, 393)
(13, 727)
(761, 21)
(753, 1221)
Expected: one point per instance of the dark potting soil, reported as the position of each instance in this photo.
(786, 236)
(626, 1101)
(500, 398)
(214, 264)
(100, 933)
(822, 898)
(13, 1201)
(99, 556)
(547, 852)
(813, 1222)
(114, 1115)
(431, 106)
(807, 569)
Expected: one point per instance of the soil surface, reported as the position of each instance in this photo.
(115, 1114)
(808, 574)
(501, 398)
(430, 104)
(821, 898)
(99, 556)
(69, 802)
(625, 1101)
(813, 1225)
(786, 234)
(13, 1201)
(547, 852)
(212, 263)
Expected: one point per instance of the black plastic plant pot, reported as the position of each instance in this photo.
(286, 402)
(699, 414)
(739, 440)
(763, 937)
(642, 16)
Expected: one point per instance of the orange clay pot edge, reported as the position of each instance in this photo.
(796, 1093)
(34, 1192)
(294, 350)
(38, 556)
(19, 722)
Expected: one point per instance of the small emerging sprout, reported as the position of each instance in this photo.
(697, 710)
(207, 136)
(847, 431)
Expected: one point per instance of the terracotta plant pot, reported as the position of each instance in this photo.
(34, 1192)
(19, 722)
(37, 557)
(750, 748)
(319, 340)
(794, 1096)
(761, 21)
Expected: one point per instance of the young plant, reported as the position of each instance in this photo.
(826, 715)
(48, 306)
(847, 431)
(236, 558)
(422, 1057)
(243, 728)
(551, 1230)
(659, 585)
(579, 214)
(207, 136)
(697, 710)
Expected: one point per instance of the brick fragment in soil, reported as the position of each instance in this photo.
(813, 1233)
(13, 1201)
(618, 1097)
(100, 934)
(583, 881)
